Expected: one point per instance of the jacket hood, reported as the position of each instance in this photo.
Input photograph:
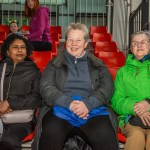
(133, 62)
(134, 65)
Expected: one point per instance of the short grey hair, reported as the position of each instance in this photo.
(146, 33)
(77, 26)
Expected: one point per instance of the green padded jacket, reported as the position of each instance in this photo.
(132, 84)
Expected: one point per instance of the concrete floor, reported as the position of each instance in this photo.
(27, 146)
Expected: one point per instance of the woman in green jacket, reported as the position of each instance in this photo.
(131, 100)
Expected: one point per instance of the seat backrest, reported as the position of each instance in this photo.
(25, 28)
(2, 36)
(97, 29)
(55, 37)
(105, 46)
(56, 29)
(113, 71)
(112, 59)
(4, 28)
(102, 37)
(41, 58)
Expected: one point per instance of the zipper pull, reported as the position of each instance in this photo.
(75, 61)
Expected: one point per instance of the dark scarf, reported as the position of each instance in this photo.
(145, 58)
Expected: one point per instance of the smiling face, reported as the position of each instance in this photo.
(76, 43)
(30, 4)
(13, 27)
(17, 51)
(140, 46)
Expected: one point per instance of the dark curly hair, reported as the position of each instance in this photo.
(10, 39)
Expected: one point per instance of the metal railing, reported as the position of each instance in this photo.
(139, 19)
(63, 12)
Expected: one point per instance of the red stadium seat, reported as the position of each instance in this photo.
(56, 29)
(29, 137)
(55, 43)
(112, 59)
(2, 37)
(4, 28)
(105, 46)
(113, 71)
(25, 28)
(41, 58)
(121, 137)
(102, 37)
(97, 29)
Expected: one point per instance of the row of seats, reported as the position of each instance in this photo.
(107, 50)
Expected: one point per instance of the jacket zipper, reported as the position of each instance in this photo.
(76, 66)
(10, 81)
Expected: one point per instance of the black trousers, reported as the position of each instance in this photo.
(97, 132)
(13, 136)
(41, 46)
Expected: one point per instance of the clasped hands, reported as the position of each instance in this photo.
(79, 108)
(4, 107)
(142, 110)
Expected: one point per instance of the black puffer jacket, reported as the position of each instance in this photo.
(55, 74)
(21, 84)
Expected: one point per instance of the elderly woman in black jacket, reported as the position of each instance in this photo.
(21, 89)
(76, 88)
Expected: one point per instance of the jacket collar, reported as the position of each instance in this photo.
(60, 60)
(145, 58)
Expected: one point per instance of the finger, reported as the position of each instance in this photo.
(84, 115)
(146, 120)
(143, 121)
(77, 110)
(73, 105)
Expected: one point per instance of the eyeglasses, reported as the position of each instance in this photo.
(142, 43)
(74, 41)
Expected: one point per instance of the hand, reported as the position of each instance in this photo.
(4, 107)
(141, 107)
(24, 32)
(145, 117)
(79, 108)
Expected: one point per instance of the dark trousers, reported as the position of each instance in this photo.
(41, 46)
(13, 136)
(97, 132)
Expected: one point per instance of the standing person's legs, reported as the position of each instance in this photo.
(135, 137)
(100, 133)
(41, 46)
(54, 132)
(13, 136)
(148, 139)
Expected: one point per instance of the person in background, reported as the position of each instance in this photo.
(75, 84)
(39, 33)
(131, 99)
(14, 28)
(21, 89)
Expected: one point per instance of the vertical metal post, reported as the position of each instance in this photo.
(109, 15)
(80, 12)
(92, 13)
(85, 11)
(68, 11)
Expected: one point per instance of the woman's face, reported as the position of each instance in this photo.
(140, 46)
(17, 51)
(75, 43)
(13, 27)
(30, 3)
